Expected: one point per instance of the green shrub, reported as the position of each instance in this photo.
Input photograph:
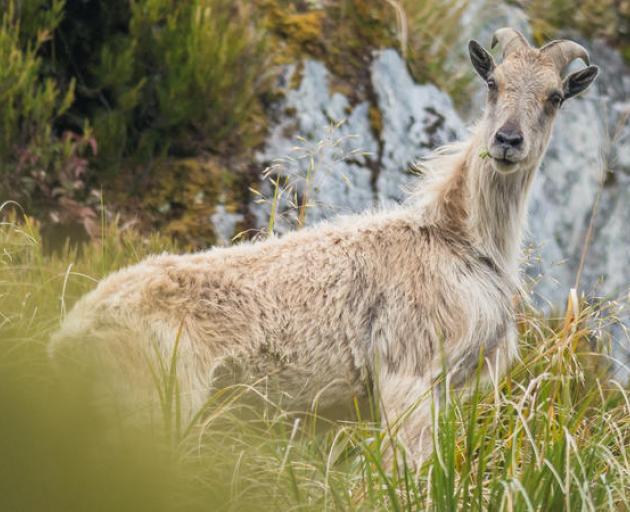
(158, 78)
(92, 93)
(28, 104)
(36, 165)
(153, 77)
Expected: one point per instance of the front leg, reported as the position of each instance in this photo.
(406, 403)
(409, 400)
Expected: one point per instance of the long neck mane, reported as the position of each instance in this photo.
(463, 193)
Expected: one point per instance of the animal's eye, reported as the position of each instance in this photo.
(556, 99)
(492, 84)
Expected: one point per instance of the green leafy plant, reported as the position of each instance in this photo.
(40, 167)
(165, 79)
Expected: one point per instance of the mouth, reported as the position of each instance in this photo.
(504, 165)
(504, 158)
(505, 161)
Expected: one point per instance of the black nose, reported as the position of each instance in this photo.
(509, 138)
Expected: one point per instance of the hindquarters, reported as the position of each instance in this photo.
(132, 345)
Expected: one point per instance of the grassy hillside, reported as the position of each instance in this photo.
(553, 434)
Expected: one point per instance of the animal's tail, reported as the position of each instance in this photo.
(74, 330)
(128, 354)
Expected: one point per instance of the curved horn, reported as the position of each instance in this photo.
(509, 39)
(564, 52)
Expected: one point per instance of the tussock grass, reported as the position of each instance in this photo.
(553, 434)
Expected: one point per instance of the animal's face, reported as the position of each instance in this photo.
(525, 92)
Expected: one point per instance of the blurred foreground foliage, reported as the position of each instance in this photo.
(552, 434)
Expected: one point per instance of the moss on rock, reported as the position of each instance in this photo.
(182, 198)
(183, 195)
(341, 34)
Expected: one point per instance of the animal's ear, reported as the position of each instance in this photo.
(576, 82)
(481, 60)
